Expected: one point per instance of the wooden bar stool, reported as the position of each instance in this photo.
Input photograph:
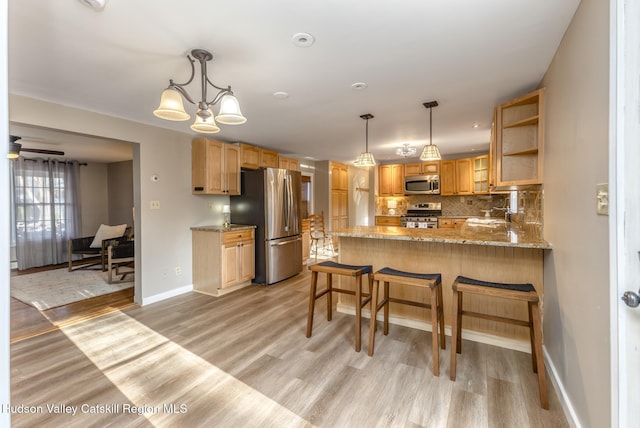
(333, 268)
(524, 292)
(430, 281)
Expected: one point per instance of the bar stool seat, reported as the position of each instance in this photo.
(430, 281)
(333, 268)
(523, 292)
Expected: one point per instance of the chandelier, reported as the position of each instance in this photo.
(406, 151)
(171, 107)
(430, 152)
(366, 159)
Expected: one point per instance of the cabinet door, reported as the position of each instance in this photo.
(413, 169)
(283, 163)
(230, 262)
(448, 177)
(269, 159)
(397, 180)
(232, 169)
(250, 156)
(464, 176)
(294, 165)
(247, 251)
(214, 160)
(339, 176)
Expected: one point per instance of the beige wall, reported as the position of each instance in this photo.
(120, 179)
(576, 301)
(94, 208)
(163, 237)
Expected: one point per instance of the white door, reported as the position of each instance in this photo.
(626, 221)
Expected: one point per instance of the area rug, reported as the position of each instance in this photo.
(49, 289)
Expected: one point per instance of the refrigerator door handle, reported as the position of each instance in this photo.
(286, 203)
(285, 243)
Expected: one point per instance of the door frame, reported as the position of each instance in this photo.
(624, 199)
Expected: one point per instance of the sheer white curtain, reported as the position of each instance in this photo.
(46, 210)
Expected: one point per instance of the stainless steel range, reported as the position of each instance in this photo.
(423, 216)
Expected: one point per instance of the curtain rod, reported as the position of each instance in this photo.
(47, 161)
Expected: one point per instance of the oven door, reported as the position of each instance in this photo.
(422, 185)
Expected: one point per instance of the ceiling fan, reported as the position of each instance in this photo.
(15, 148)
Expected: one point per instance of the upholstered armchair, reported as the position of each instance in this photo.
(96, 246)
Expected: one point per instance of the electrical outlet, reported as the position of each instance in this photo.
(462, 199)
(155, 205)
(178, 271)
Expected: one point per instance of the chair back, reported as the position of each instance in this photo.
(316, 226)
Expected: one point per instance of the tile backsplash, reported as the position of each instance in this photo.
(528, 211)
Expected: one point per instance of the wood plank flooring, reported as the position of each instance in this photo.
(243, 360)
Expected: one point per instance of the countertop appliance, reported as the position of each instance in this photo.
(270, 200)
(424, 216)
(422, 184)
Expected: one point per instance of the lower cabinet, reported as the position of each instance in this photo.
(451, 223)
(223, 260)
(383, 220)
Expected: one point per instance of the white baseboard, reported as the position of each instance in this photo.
(563, 397)
(489, 339)
(167, 295)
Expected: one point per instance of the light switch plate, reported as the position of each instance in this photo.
(602, 198)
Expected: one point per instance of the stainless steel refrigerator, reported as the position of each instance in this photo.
(270, 200)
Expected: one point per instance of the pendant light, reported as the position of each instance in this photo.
(430, 152)
(366, 159)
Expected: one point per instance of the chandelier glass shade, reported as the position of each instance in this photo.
(430, 152)
(172, 108)
(366, 159)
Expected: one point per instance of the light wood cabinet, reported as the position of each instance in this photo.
(289, 163)
(223, 261)
(481, 173)
(269, 159)
(215, 167)
(422, 168)
(384, 220)
(456, 177)
(450, 223)
(254, 157)
(339, 176)
(519, 140)
(391, 180)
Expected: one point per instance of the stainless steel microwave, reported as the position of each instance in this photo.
(422, 185)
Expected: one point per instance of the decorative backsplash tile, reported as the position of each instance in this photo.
(528, 211)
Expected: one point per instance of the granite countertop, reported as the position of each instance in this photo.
(503, 235)
(221, 228)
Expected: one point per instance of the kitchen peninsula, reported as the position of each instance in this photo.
(490, 251)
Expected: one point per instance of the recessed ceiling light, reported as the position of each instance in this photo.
(359, 86)
(476, 125)
(281, 95)
(303, 40)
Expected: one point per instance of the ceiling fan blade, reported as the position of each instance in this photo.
(44, 152)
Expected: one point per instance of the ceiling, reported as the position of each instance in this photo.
(468, 55)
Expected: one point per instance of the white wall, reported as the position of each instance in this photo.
(120, 182)
(163, 237)
(576, 282)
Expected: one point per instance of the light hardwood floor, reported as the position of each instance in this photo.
(242, 360)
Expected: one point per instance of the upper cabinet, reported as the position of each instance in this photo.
(391, 180)
(339, 176)
(456, 177)
(289, 163)
(422, 168)
(269, 159)
(254, 157)
(519, 132)
(215, 167)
